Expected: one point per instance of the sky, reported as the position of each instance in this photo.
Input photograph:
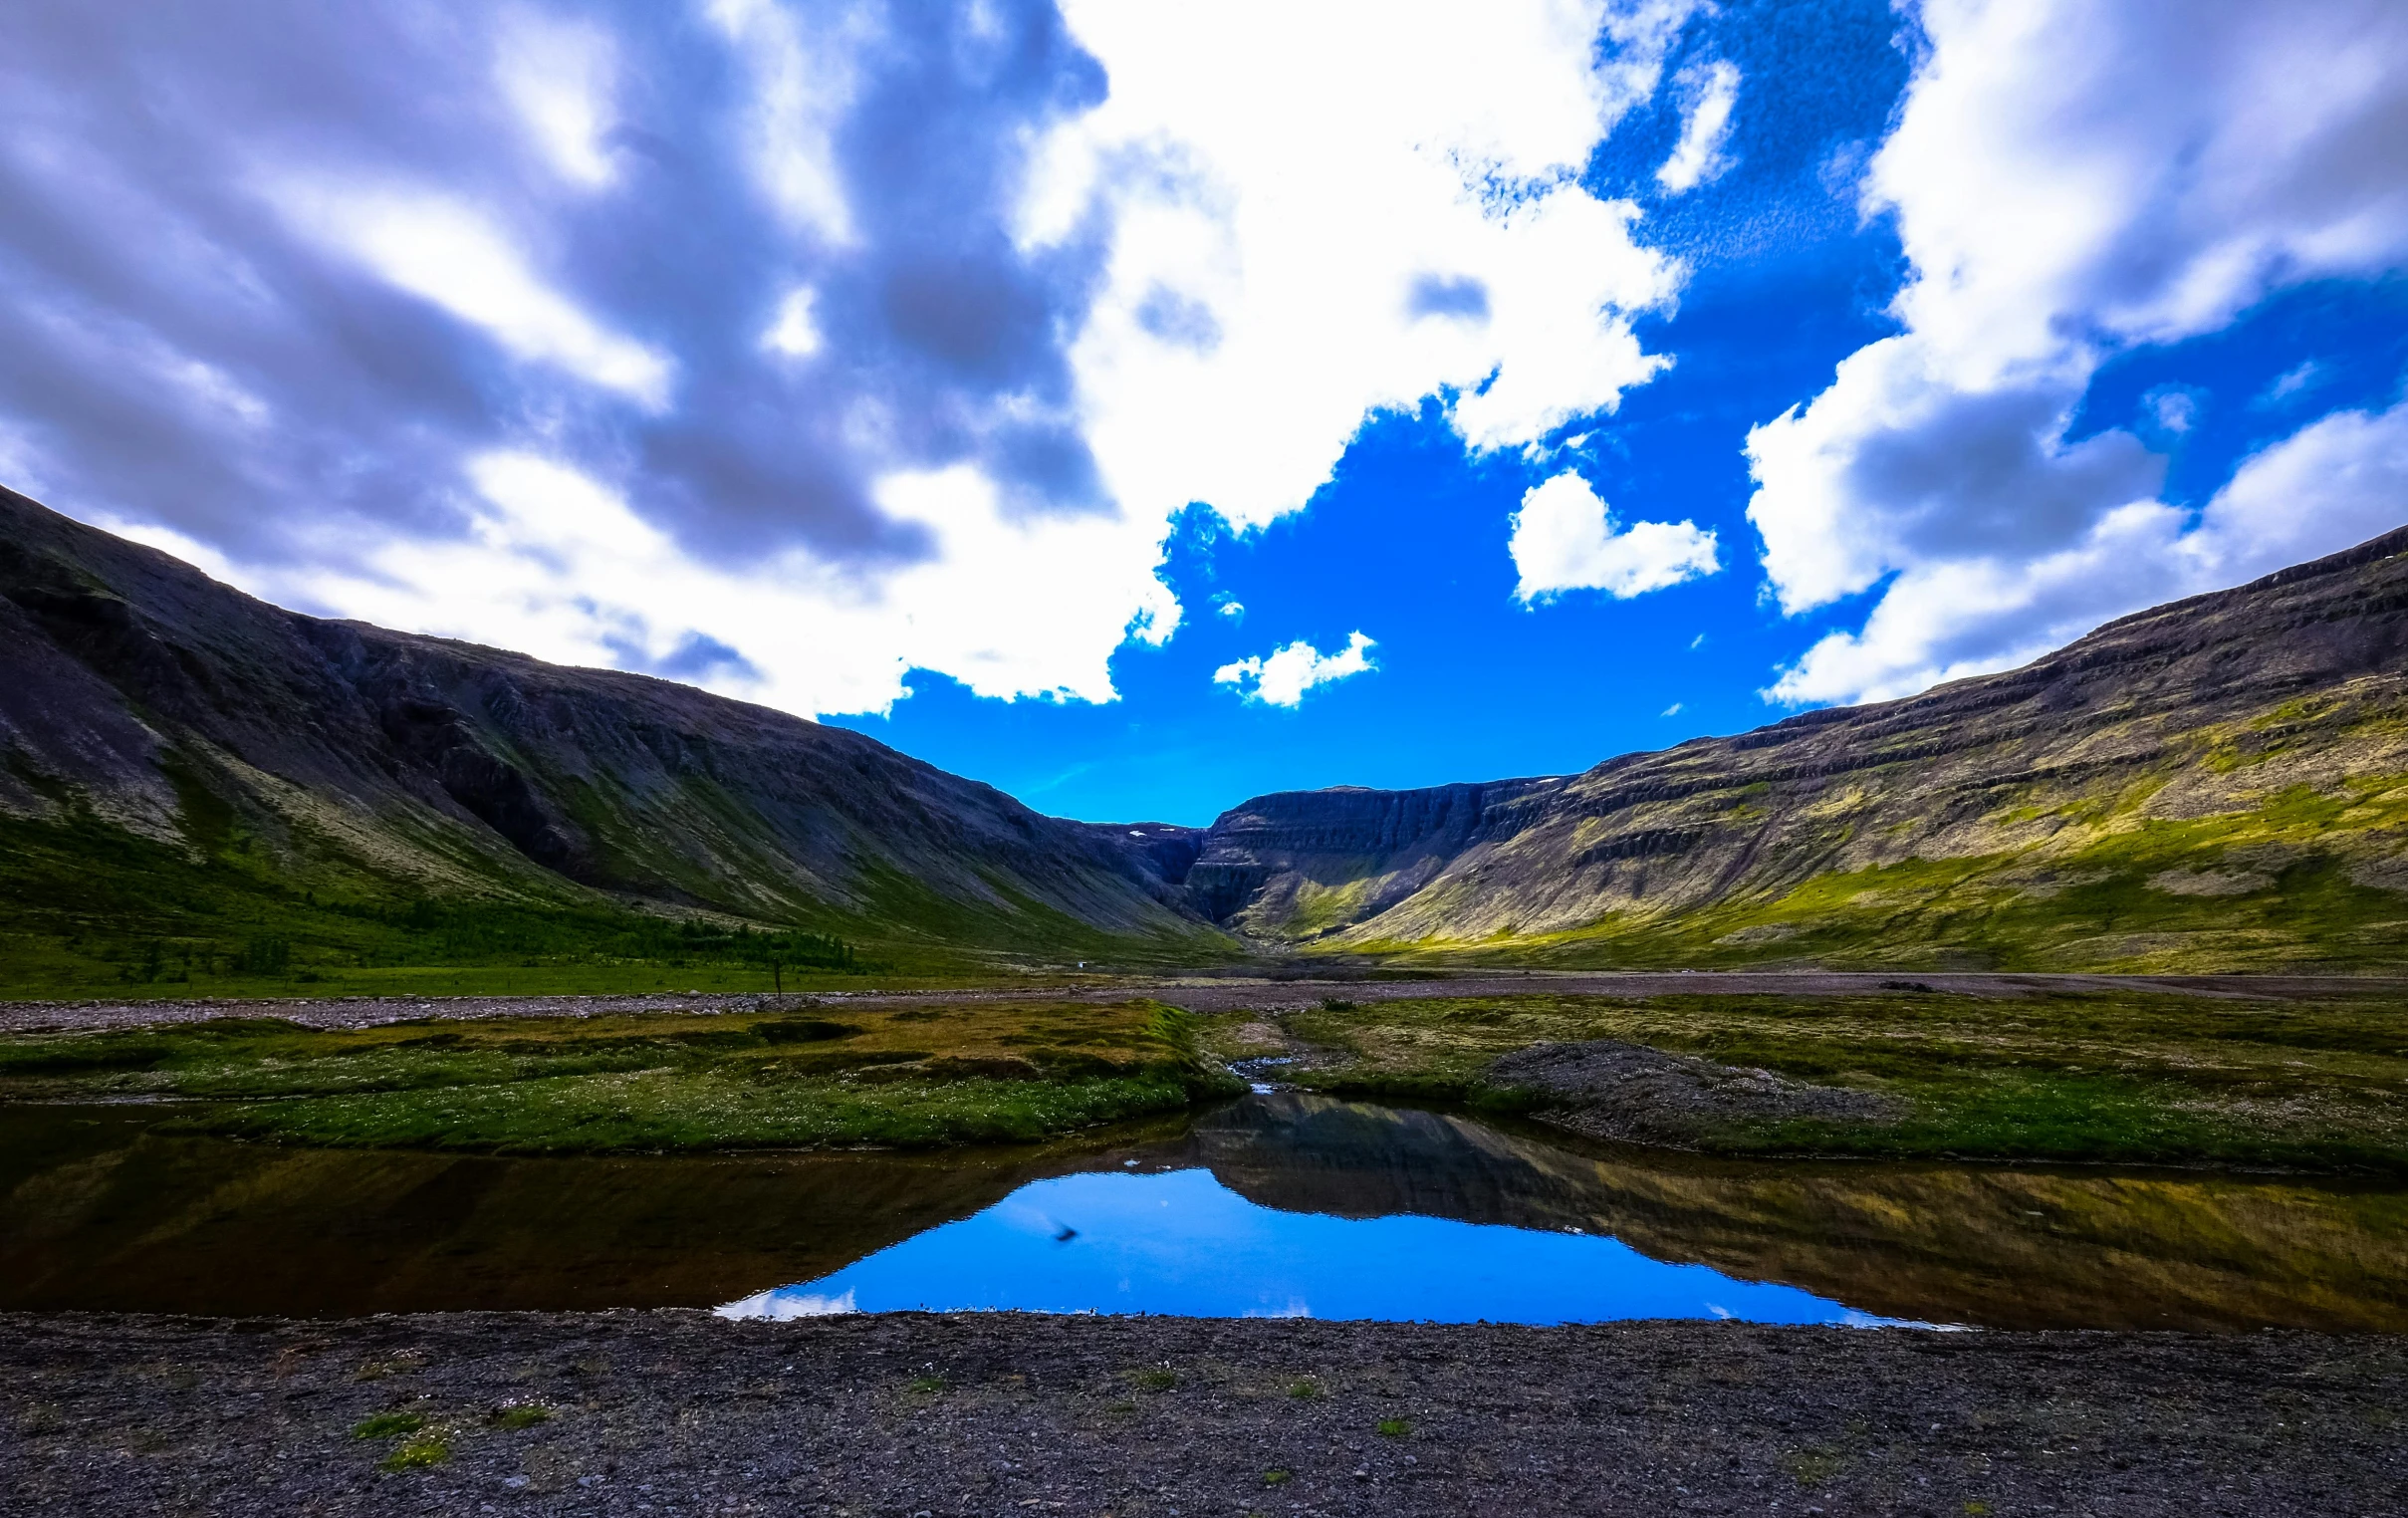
(1143, 407)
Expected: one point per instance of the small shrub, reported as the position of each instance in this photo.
(1307, 1389)
(428, 1451)
(1274, 1477)
(1158, 1378)
(1394, 1428)
(521, 1416)
(926, 1386)
(387, 1425)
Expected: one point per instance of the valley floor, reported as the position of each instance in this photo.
(679, 1413)
(2296, 1073)
(1196, 993)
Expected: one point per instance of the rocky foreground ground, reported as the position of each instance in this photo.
(678, 1412)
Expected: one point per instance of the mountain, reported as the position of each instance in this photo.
(179, 759)
(2219, 782)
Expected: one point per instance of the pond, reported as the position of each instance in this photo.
(1281, 1203)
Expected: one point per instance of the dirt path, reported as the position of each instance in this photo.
(1200, 994)
(920, 1417)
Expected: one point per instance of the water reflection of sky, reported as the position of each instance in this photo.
(1182, 1243)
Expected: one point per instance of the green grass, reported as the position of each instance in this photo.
(916, 1077)
(428, 1450)
(2124, 1077)
(387, 1425)
(266, 908)
(1979, 910)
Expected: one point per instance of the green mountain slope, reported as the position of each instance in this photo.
(186, 771)
(2217, 782)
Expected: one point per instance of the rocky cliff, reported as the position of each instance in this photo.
(2217, 782)
(143, 704)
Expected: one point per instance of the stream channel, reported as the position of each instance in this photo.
(1278, 1204)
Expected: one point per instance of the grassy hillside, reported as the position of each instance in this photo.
(2217, 784)
(200, 793)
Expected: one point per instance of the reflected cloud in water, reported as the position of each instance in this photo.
(1180, 1242)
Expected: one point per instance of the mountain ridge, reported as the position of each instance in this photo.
(2217, 782)
(2170, 720)
(146, 697)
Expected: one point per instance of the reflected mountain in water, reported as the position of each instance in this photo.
(1999, 1246)
(98, 1210)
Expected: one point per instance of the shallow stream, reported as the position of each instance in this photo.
(1279, 1204)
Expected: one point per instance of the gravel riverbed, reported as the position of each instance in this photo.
(1215, 994)
(921, 1416)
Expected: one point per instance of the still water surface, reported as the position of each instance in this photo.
(1183, 1243)
(1281, 1203)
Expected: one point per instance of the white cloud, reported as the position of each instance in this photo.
(2175, 410)
(611, 222)
(796, 332)
(559, 77)
(2334, 483)
(1282, 677)
(2304, 377)
(1672, 710)
(1299, 180)
(803, 83)
(559, 566)
(1565, 539)
(2069, 178)
(1711, 90)
(457, 259)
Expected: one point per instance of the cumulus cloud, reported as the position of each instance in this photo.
(2336, 482)
(1565, 539)
(788, 348)
(1282, 677)
(2069, 180)
(1377, 206)
(1711, 90)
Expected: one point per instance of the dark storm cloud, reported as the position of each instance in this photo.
(176, 345)
(1985, 475)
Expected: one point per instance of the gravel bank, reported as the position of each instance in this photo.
(1196, 993)
(1607, 1088)
(682, 1413)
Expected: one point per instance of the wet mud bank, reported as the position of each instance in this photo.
(664, 1413)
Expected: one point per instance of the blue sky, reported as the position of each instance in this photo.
(1143, 407)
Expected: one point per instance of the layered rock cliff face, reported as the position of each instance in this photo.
(2221, 781)
(1301, 862)
(138, 694)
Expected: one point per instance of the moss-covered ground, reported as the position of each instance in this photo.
(917, 1077)
(2283, 884)
(2121, 1076)
(89, 909)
